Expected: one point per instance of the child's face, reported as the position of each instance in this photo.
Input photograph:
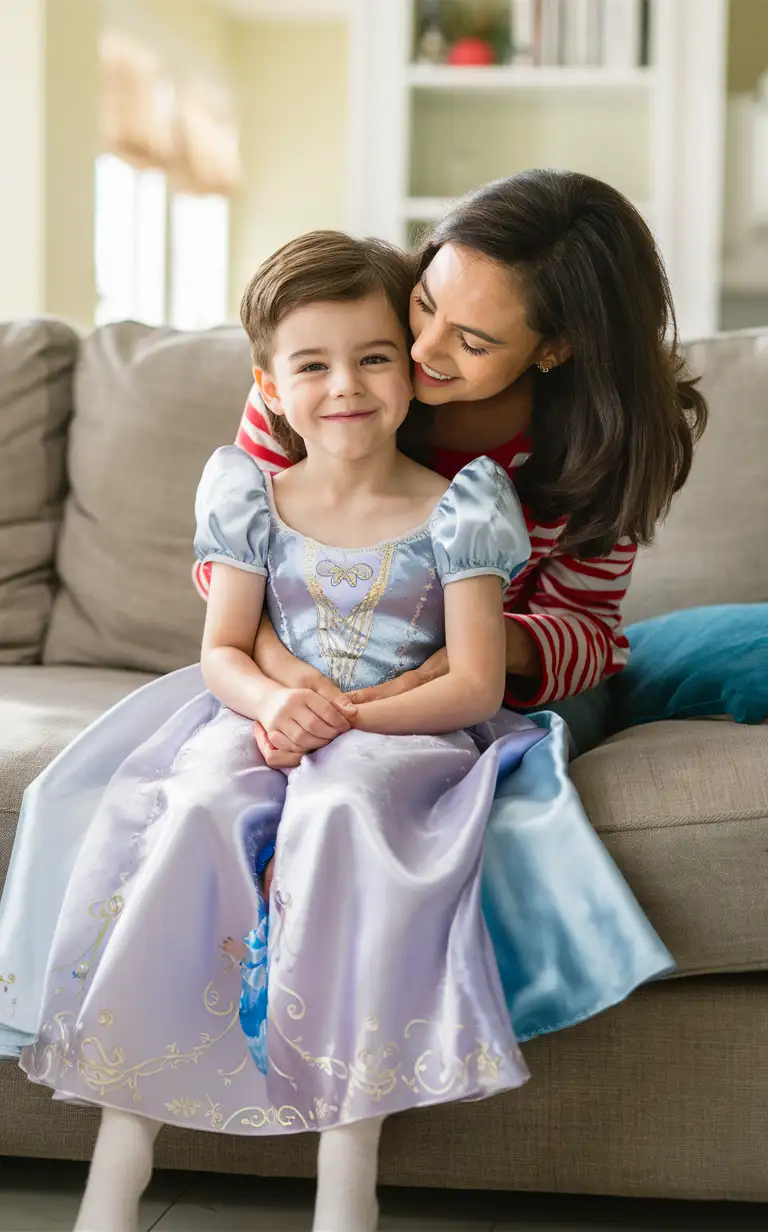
(340, 374)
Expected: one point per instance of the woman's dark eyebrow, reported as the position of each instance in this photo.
(465, 329)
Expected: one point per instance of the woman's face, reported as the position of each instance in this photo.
(469, 324)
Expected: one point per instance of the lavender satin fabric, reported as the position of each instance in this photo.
(430, 892)
(384, 989)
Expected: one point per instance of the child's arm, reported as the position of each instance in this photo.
(296, 720)
(231, 622)
(473, 689)
(232, 536)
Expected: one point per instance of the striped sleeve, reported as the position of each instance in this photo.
(254, 437)
(574, 615)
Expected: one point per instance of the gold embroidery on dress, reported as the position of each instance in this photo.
(229, 1074)
(340, 573)
(403, 648)
(296, 1010)
(286, 1116)
(343, 639)
(372, 1072)
(185, 1107)
(105, 1071)
(106, 911)
(7, 982)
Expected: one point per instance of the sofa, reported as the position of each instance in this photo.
(102, 440)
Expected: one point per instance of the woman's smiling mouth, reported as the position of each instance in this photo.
(432, 376)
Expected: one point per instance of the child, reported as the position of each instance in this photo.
(384, 992)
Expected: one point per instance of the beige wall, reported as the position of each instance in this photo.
(290, 82)
(22, 72)
(292, 95)
(192, 33)
(747, 45)
(47, 144)
(71, 123)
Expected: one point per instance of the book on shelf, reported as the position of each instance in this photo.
(550, 33)
(622, 33)
(524, 31)
(582, 32)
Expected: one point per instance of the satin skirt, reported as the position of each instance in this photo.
(433, 898)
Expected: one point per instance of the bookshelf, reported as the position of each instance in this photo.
(421, 134)
(446, 78)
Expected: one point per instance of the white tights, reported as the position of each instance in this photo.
(122, 1167)
(120, 1171)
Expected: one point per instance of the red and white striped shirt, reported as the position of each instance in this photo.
(571, 607)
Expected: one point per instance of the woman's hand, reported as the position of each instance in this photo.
(434, 667)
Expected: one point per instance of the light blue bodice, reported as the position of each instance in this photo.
(360, 615)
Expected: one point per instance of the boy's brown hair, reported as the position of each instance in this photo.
(322, 266)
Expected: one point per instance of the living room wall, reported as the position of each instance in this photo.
(292, 101)
(48, 90)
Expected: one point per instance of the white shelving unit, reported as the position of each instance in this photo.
(422, 134)
(501, 77)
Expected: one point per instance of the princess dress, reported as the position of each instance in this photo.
(133, 880)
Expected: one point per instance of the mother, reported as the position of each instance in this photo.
(544, 336)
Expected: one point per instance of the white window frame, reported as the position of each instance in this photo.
(153, 263)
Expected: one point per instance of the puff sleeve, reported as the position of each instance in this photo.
(232, 512)
(479, 528)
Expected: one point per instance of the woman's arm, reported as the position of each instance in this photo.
(278, 664)
(574, 621)
(473, 688)
(522, 658)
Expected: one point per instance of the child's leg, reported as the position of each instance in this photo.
(347, 1167)
(120, 1172)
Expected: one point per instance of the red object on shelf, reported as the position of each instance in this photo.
(472, 52)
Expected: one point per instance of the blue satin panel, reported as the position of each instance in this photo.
(570, 937)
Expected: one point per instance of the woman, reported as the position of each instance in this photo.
(544, 337)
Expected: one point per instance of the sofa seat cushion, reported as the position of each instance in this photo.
(41, 710)
(683, 807)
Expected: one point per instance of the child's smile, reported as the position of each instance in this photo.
(340, 374)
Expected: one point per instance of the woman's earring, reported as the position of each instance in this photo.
(544, 367)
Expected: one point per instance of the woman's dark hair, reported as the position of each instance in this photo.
(613, 428)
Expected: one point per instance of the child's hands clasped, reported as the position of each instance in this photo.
(298, 721)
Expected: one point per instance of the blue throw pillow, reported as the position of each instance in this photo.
(702, 661)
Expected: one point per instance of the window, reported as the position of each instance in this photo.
(199, 259)
(161, 257)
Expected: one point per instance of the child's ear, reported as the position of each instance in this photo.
(268, 390)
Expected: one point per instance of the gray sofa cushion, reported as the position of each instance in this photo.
(152, 405)
(41, 710)
(683, 808)
(36, 363)
(713, 547)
